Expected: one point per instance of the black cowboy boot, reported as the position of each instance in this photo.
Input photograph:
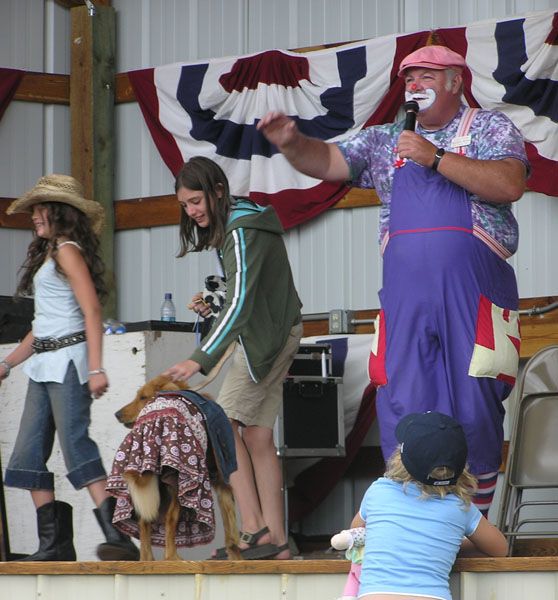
(118, 545)
(56, 532)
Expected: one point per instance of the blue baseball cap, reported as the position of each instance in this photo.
(430, 440)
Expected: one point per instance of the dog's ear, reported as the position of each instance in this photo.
(158, 383)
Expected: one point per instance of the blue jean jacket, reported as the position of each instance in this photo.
(218, 428)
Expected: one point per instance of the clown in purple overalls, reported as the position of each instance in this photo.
(447, 336)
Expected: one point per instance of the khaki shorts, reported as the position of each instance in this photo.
(253, 403)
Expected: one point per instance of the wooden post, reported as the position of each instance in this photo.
(92, 84)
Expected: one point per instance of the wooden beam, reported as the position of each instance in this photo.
(70, 3)
(157, 211)
(74, 3)
(253, 567)
(321, 326)
(369, 464)
(358, 198)
(124, 90)
(54, 88)
(146, 212)
(92, 120)
(44, 87)
(17, 221)
(537, 330)
(154, 211)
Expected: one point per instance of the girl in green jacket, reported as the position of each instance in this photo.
(261, 316)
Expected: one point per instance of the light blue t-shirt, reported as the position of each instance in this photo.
(411, 541)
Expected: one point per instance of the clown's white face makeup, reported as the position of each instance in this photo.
(425, 98)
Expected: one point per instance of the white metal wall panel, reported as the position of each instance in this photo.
(21, 47)
(35, 138)
(535, 262)
(335, 258)
(299, 23)
(21, 42)
(157, 32)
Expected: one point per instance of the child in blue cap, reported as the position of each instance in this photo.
(419, 513)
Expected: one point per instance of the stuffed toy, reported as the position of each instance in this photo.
(351, 540)
(214, 294)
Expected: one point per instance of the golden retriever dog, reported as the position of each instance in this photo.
(152, 500)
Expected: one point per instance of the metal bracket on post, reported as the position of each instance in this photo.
(341, 321)
(90, 8)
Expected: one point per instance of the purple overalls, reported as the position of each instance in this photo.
(448, 334)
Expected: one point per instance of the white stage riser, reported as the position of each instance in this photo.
(465, 586)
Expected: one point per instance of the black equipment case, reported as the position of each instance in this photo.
(311, 420)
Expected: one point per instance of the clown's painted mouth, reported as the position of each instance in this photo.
(425, 99)
(419, 97)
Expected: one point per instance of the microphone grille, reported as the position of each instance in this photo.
(411, 106)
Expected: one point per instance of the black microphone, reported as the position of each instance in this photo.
(411, 109)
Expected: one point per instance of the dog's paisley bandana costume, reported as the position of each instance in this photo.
(168, 438)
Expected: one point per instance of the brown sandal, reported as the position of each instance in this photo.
(254, 551)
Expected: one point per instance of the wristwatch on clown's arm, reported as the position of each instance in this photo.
(437, 157)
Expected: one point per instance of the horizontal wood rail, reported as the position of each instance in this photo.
(537, 330)
(247, 567)
(73, 3)
(156, 211)
(54, 88)
(48, 88)
(369, 464)
(133, 213)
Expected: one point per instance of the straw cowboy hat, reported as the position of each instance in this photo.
(60, 188)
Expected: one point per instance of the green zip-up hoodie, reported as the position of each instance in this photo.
(262, 304)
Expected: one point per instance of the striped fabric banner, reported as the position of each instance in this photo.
(212, 107)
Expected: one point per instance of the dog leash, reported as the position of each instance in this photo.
(197, 330)
(215, 371)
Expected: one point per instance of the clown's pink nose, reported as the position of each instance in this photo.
(414, 87)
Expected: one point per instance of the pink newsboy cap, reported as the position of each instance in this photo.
(432, 57)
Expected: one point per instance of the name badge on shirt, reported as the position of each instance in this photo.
(461, 141)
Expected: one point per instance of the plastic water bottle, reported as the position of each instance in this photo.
(168, 311)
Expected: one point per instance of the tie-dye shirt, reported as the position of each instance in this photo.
(371, 154)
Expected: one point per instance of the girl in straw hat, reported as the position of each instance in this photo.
(63, 355)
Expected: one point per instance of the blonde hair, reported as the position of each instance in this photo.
(465, 487)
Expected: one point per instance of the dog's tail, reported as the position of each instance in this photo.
(144, 491)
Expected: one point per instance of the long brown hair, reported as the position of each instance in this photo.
(465, 487)
(66, 222)
(204, 175)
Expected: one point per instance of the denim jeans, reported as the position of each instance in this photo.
(55, 407)
(219, 430)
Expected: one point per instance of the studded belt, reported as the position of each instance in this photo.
(51, 343)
